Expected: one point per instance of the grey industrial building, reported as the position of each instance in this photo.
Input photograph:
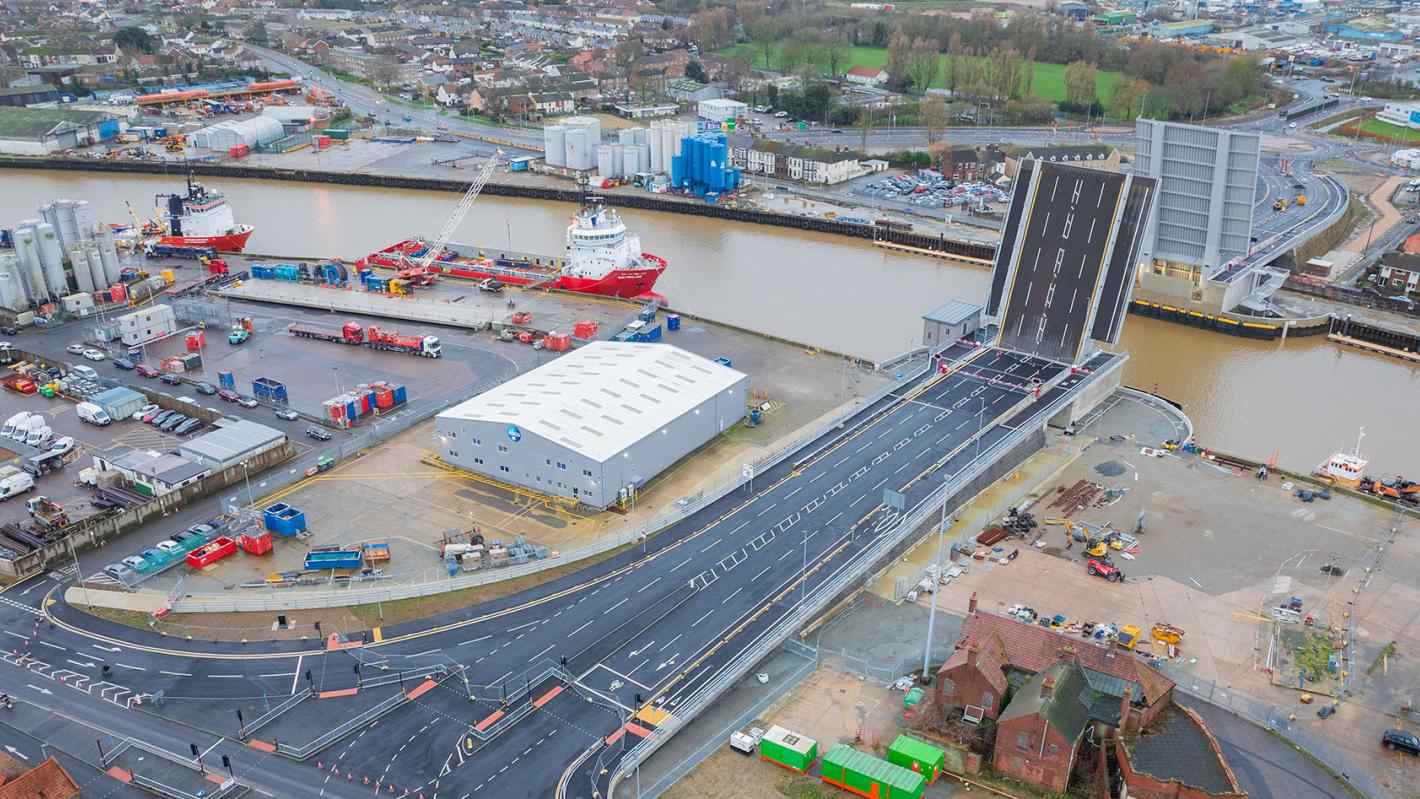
(952, 320)
(230, 443)
(596, 424)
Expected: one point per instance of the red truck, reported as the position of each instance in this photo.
(375, 338)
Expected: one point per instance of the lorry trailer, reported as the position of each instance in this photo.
(354, 333)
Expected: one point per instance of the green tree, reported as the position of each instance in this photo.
(865, 126)
(1126, 100)
(256, 33)
(764, 33)
(695, 72)
(932, 115)
(133, 41)
(1080, 86)
(898, 58)
(834, 53)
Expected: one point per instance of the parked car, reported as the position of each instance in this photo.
(228, 395)
(149, 553)
(144, 370)
(85, 371)
(133, 561)
(247, 402)
(152, 415)
(172, 422)
(171, 379)
(183, 536)
(118, 571)
(124, 364)
(144, 411)
(168, 546)
(781, 114)
(8, 330)
(288, 414)
(1401, 740)
(157, 421)
(206, 388)
(318, 433)
(189, 426)
(94, 355)
(62, 445)
(202, 528)
(75, 349)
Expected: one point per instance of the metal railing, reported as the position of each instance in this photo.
(1278, 720)
(289, 599)
(355, 722)
(852, 571)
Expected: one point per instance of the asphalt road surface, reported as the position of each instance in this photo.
(640, 631)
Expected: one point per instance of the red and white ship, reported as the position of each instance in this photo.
(200, 218)
(602, 258)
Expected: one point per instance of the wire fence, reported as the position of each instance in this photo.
(1278, 719)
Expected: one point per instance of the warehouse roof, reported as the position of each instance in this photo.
(38, 123)
(234, 440)
(953, 312)
(602, 398)
(34, 88)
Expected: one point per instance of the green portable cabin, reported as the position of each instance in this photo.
(869, 776)
(915, 755)
(789, 749)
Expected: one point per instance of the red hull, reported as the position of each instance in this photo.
(232, 242)
(622, 283)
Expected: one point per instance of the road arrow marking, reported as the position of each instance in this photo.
(670, 662)
(81, 664)
(44, 691)
(636, 652)
(108, 648)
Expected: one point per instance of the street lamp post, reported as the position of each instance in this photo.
(942, 527)
(980, 426)
(77, 571)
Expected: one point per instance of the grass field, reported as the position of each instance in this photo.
(1049, 81)
(1386, 130)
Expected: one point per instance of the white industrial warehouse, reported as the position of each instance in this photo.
(596, 424)
(231, 133)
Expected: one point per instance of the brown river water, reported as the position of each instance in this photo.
(1304, 397)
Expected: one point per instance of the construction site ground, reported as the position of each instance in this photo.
(407, 502)
(1219, 550)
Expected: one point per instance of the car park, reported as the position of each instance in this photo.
(247, 402)
(144, 370)
(228, 395)
(168, 546)
(318, 433)
(144, 411)
(930, 189)
(189, 426)
(172, 422)
(133, 561)
(185, 535)
(171, 379)
(94, 355)
(85, 371)
(288, 414)
(157, 421)
(75, 349)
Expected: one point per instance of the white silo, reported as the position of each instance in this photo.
(64, 223)
(51, 256)
(625, 136)
(28, 250)
(83, 219)
(79, 265)
(108, 251)
(630, 161)
(50, 214)
(12, 287)
(554, 145)
(643, 158)
(96, 265)
(654, 140)
(604, 162)
(580, 152)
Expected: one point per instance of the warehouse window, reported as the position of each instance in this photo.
(1023, 740)
(453, 453)
(478, 442)
(505, 468)
(562, 466)
(478, 461)
(502, 448)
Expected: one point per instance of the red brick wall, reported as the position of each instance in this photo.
(1035, 763)
(969, 687)
(1145, 786)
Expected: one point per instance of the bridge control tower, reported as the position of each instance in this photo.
(1066, 261)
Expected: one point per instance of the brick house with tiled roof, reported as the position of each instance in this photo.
(48, 780)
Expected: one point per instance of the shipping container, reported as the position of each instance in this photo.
(558, 342)
(335, 559)
(865, 775)
(918, 756)
(225, 379)
(264, 388)
(789, 749)
(284, 519)
(196, 340)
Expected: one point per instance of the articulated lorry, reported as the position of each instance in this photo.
(373, 337)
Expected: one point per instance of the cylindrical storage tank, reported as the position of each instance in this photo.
(554, 143)
(657, 162)
(628, 159)
(96, 265)
(51, 256)
(625, 136)
(64, 223)
(50, 214)
(604, 163)
(579, 149)
(643, 158)
(27, 248)
(84, 219)
(79, 265)
(108, 251)
(12, 287)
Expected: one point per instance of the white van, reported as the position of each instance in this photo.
(40, 436)
(14, 485)
(19, 421)
(22, 432)
(92, 413)
(85, 371)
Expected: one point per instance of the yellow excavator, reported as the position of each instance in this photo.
(1097, 540)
